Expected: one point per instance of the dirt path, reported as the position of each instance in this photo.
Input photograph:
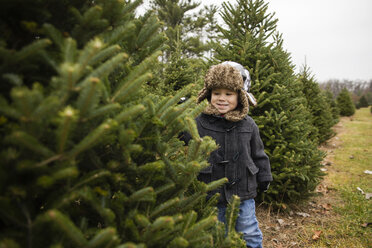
(284, 230)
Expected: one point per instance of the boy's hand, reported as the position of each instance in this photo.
(263, 186)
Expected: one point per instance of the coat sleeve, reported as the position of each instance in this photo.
(259, 157)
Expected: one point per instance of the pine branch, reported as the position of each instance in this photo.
(69, 116)
(47, 181)
(89, 197)
(64, 225)
(89, 97)
(165, 188)
(148, 31)
(90, 178)
(145, 194)
(69, 50)
(48, 107)
(164, 206)
(104, 110)
(30, 50)
(142, 220)
(9, 111)
(104, 238)
(120, 33)
(130, 7)
(231, 214)
(104, 69)
(92, 138)
(162, 222)
(150, 106)
(88, 53)
(133, 82)
(103, 54)
(216, 184)
(179, 242)
(202, 239)
(190, 221)
(28, 141)
(191, 126)
(198, 227)
(130, 113)
(173, 100)
(188, 203)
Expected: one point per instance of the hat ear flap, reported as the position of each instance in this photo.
(202, 94)
(244, 102)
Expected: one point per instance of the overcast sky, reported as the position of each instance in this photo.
(335, 36)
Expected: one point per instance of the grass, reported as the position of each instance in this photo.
(350, 209)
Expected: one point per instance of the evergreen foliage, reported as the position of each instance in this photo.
(191, 34)
(363, 103)
(319, 107)
(178, 72)
(330, 98)
(282, 113)
(186, 29)
(345, 104)
(89, 160)
(357, 88)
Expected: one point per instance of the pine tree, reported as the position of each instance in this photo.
(89, 160)
(345, 104)
(185, 28)
(330, 98)
(191, 35)
(363, 103)
(281, 114)
(176, 74)
(317, 104)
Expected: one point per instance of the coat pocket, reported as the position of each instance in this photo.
(252, 171)
(252, 168)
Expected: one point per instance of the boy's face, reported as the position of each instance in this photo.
(224, 100)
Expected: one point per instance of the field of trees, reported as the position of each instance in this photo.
(340, 212)
(361, 91)
(90, 114)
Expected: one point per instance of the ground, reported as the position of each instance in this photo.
(289, 229)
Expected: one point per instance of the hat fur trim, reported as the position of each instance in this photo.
(228, 77)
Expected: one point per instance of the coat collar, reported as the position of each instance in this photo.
(218, 123)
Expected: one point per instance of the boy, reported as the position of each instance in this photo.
(240, 156)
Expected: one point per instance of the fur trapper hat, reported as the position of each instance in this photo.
(225, 76)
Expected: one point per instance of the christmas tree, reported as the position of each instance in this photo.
(281, 113)
(89, 159)
(190, 35)
(188, 30)
(344, 103)
(319, 107)
(330, 98)
(362, 103)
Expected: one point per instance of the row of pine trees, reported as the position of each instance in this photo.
(90, 114)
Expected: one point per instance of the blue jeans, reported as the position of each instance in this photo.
(246, 223)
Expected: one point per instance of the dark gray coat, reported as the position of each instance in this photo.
(240, 156)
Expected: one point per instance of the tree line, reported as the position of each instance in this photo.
(361, 91)
(90, 114)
